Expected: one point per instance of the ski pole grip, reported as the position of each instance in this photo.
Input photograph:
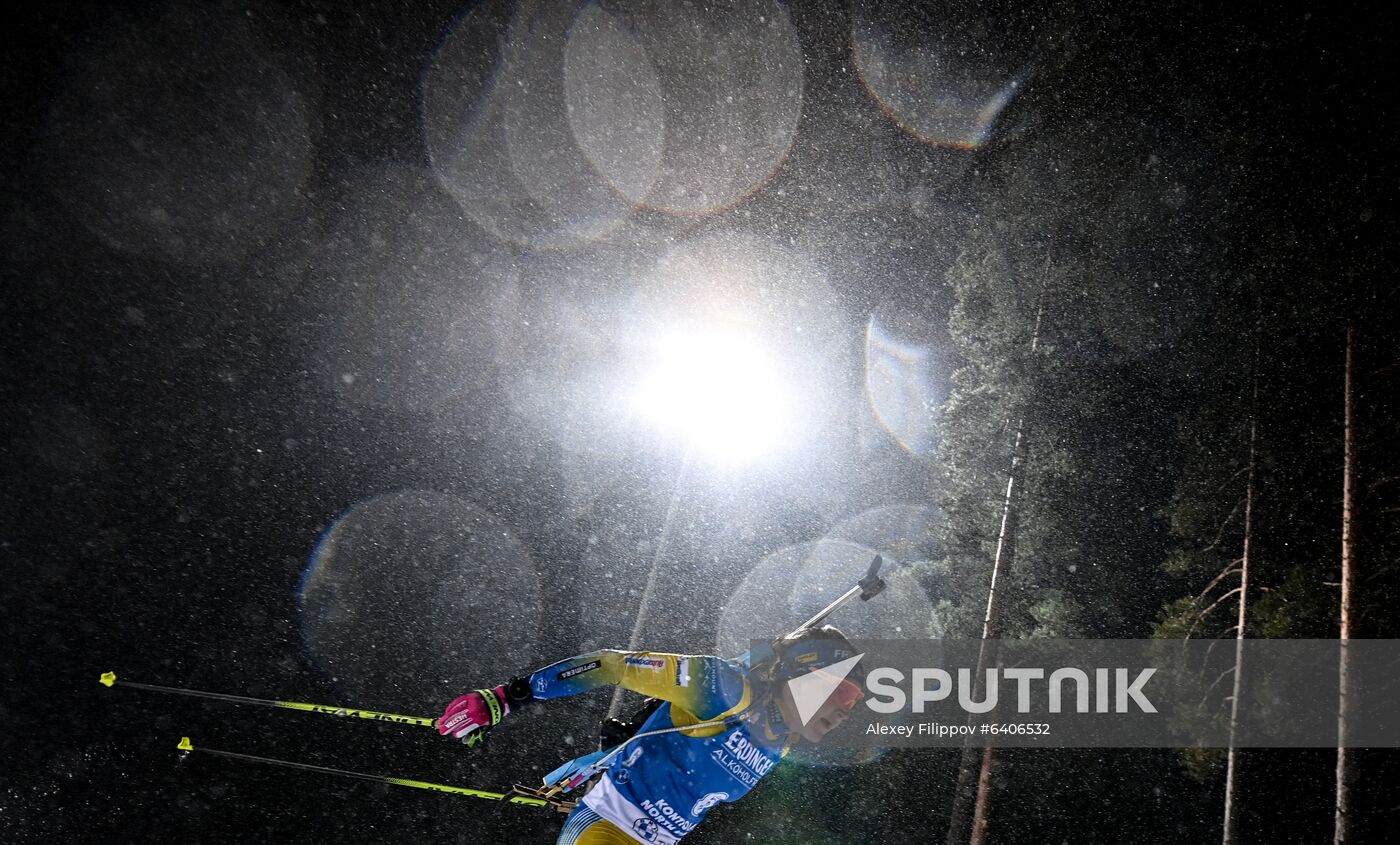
(872, 584)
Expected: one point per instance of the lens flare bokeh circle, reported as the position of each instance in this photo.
(412, 597)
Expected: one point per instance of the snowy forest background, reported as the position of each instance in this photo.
(250, 302)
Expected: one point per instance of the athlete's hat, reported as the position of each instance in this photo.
(817, 648)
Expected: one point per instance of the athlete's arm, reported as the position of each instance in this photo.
(703, 687)
(700, 684)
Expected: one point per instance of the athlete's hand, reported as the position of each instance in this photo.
(470, 716)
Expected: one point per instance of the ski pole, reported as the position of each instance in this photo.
(187, 745)
(867, 588)
(109, 679)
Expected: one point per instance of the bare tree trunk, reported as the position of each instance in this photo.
(991, 630)
(1229, 833)
(991, 624)
(982, 807)
(991, 633)
(1346, 764)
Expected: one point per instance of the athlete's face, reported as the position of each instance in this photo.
(832, 713)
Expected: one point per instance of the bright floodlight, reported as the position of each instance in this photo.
(719, 390)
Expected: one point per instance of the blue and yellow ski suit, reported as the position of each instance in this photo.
(660, 787)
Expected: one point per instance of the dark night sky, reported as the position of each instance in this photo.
(228, 321)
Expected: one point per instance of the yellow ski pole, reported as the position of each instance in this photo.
(187, 745)
(109, 679)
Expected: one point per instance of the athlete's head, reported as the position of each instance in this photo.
(812, 651)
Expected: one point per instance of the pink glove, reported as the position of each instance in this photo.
(470, 716)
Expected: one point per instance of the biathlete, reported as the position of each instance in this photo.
(717, 728)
